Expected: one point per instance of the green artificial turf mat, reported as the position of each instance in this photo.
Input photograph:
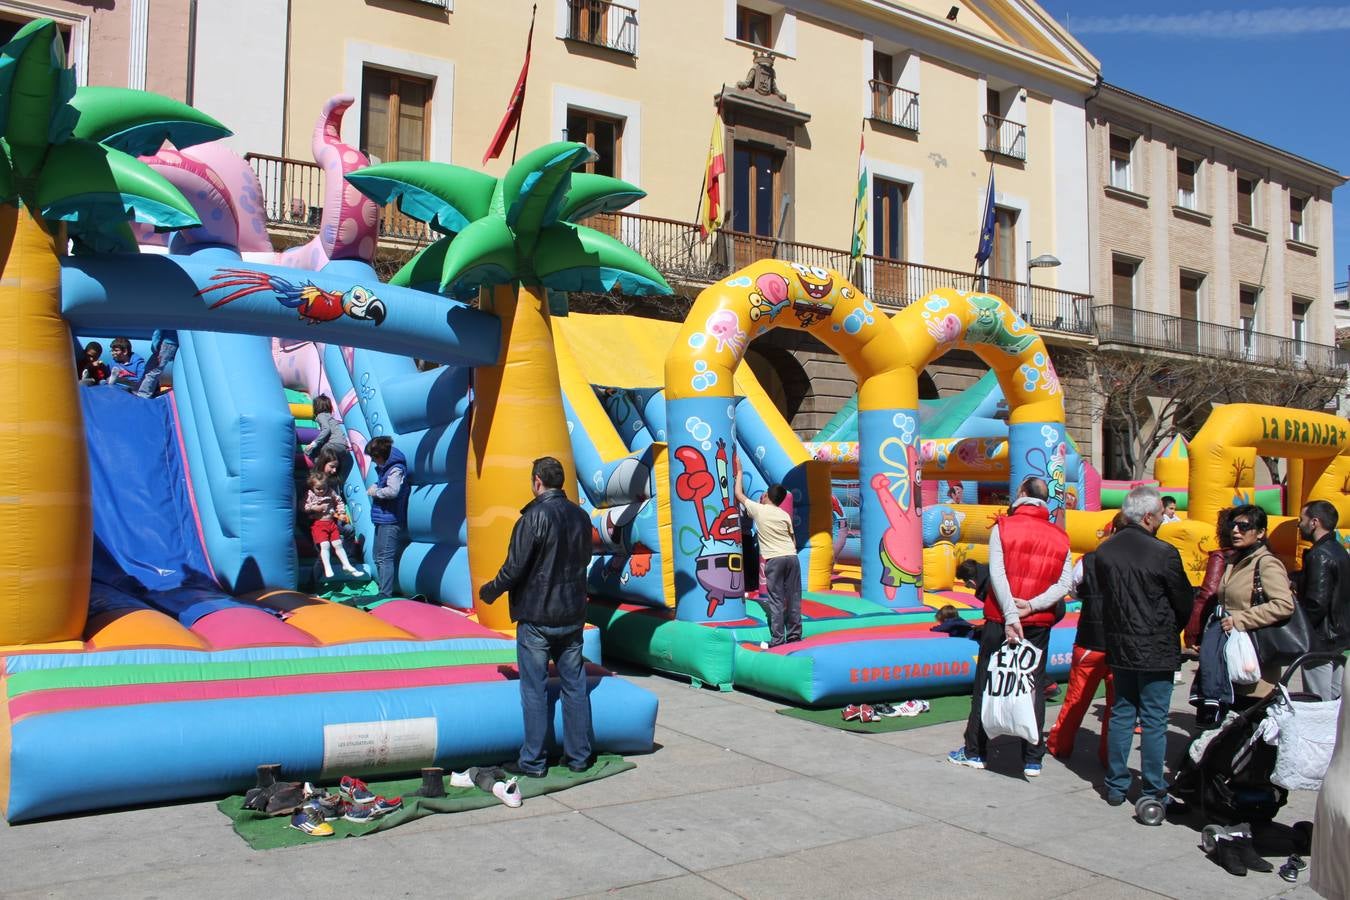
(263, 832)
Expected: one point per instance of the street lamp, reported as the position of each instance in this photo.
(1044, 261)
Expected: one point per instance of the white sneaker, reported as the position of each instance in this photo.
(355, 573)
(764, 645)
(460, 779)
(508, 792)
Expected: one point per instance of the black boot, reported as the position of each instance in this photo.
(1253, 860)
(1227, 854)
(267, 775)
(433, 784)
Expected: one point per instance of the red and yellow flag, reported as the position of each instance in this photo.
(711, 212)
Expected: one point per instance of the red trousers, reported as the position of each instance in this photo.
(1088, 669)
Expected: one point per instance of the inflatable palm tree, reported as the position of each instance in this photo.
(67, 159)
(514, 238)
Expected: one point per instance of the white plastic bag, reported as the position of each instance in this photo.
(1307, 737)
(1008, 706)
(1239, 655)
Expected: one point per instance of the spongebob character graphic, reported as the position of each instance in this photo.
(817, 305)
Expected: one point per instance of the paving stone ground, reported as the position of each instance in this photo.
(736, 801)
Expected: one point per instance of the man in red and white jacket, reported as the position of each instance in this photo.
(1030, 572)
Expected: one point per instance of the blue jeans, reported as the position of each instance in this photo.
(154, 369)
(535, 645)
(388, 541)
(1147, 697)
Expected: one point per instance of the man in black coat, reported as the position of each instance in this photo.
(545, 572)
(1324, 594)
(1146, 599)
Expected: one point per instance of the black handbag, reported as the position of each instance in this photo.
(1283, 642)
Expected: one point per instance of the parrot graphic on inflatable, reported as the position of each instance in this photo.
(313, 303)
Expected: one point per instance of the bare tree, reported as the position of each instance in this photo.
(1144, 399)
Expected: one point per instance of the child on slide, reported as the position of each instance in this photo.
(324, 505)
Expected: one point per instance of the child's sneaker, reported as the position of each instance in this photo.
(911, 708)
(310, 820)
(958, 758)
(461, 779)
(354, 790)
(508, 792)
(383, 806)
(360, 814)
(1032, 770)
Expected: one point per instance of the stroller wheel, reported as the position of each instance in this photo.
(1150, 810)
(1209, 837)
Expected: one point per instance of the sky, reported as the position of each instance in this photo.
(1276, 72)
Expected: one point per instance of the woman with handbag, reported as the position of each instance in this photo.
(1254, 593)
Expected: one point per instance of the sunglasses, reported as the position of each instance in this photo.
(1243, 527)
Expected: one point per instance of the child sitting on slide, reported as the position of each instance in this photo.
(324, 505)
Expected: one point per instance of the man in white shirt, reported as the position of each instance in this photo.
(782, 594)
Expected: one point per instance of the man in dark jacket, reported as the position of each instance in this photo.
(1146, 600)
(1324, 593)
(545, 573)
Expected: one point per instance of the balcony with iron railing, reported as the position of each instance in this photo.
(603, 24)
(894, 105)
(1005, 137)
(1158, 331)
(293, 195)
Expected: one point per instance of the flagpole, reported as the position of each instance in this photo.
(520, 116)
(988, 193)
(857, 267)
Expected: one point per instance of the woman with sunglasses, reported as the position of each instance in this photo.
(1252, 558)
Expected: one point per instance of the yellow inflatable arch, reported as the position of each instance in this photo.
(887, 355)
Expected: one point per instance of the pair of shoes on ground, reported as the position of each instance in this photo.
(958, 757)
(1292, 866)
(908, 709)
(363, 804)
(492, 779)
(860, 712)
(1233, 851)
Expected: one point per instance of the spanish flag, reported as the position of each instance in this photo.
(711, 212)
(859, 248)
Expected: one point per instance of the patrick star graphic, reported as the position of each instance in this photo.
(900, 547)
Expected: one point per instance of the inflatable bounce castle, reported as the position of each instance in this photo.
(159, 634)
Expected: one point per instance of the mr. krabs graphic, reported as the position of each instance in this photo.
(313, 303)
(719, 571)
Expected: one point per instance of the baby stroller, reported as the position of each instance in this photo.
(1225, 774)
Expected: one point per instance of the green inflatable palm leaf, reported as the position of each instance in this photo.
(592, 194)
(423, 271)
(139, 122)
(483, 254)
(532, 191)
(34, 93)
(576, 258)
(96, 190)
(446, 197)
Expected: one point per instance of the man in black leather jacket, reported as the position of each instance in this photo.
(1146, 599)
(545, 573)
(1324, 593)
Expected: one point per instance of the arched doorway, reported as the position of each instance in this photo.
(781, 376)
